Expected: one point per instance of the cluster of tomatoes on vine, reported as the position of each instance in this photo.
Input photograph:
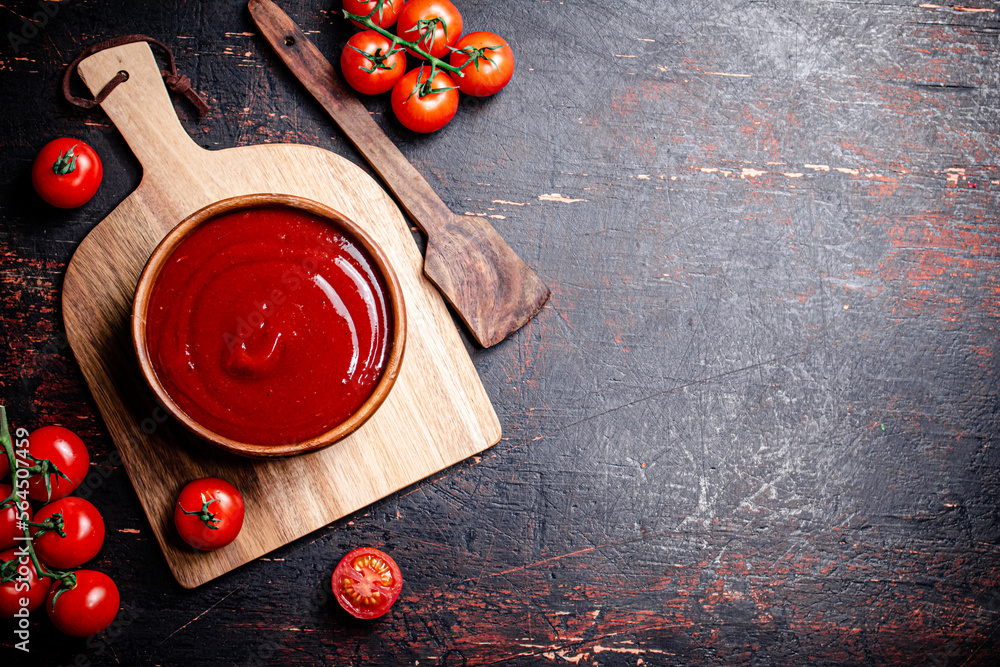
(40, 549)
(424, 99)
(65, 533)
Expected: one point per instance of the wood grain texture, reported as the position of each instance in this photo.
(491, 288)
(694, 467)
(436, 415)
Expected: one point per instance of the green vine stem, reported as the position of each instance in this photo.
(436, 63)
(66, 579)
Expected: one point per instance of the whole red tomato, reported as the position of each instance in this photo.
(209, 513)
(67, 173)
(366, 583)
(85, 609)
(433, 24)
(487, 63)
(63, 449)
(8, 521)
(33, 587)
(384, 18)
(84, 529)
(422, 105)
(366, 65)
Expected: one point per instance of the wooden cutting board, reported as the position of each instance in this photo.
(437, 414)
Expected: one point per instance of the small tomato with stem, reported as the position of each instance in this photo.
(371, 63)
(487, 63)
(71, 532)
(13, 568)
(384, 15)
(209, 513)
(433, 24)
(67, 173)
(85, 606)
(10, 533)
(62, 463)
(425, 103)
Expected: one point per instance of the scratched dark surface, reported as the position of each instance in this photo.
(755, 424)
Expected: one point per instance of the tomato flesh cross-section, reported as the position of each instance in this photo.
(367, 582)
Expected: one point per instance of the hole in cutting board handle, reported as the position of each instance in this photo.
(123, 73)
(289, 40)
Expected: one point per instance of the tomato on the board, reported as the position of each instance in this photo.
(487, 63)
(84, 533)
(371, 63)
(67, 173)
(63, 449)
(37, 587)
(86, 608)
(433, 24)
(366, 583)
(385, 17)
(422, 105)
(9, 532)
(209, 513)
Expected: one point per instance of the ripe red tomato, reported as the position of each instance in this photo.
(67, 173)
(486, 61)
(209, 513)
(63, 449)
(377, 73)
(34, 587)
(384, 19)
(433, 24)
(418, 106)
(8, 521)
(84, 528)
(367, 582)
(87, 608)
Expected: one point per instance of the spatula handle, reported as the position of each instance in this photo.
(422, 204)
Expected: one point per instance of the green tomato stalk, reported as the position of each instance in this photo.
(66, 162)
(397, 41)
(8, 570)
(206, 517)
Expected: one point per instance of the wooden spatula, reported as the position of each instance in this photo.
(491, 288)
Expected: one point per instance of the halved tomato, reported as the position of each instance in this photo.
(367, 582)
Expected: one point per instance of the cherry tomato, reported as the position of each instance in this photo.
(385, 71)
(67, 173)
(35, 587)
(64, 450)
(486, 61)
(84, 528)
(8, 521)
(367, 582)
(384, 19)
(209, 513)
(85, 609)
(418, 107)
(433, 24)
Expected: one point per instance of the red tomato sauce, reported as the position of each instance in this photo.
(269, 326)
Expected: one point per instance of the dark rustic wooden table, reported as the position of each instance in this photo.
(755, 424)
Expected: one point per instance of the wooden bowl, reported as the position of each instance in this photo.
(394, 295)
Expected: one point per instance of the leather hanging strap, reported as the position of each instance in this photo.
(176, 82)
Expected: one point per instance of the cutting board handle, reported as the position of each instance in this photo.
(141, 107)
